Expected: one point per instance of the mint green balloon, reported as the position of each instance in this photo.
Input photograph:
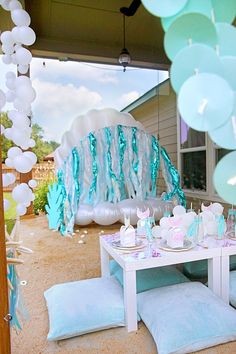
(225, 135)
(205, 101)
(164, 8)
(189, 29)
(229, 70)
(198, 58)
(224, 10)
(227, 39)
(193, 6)
(224, 178)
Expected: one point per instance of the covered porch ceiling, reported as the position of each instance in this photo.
(92, 30)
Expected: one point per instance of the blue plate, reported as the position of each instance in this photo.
(227, 39)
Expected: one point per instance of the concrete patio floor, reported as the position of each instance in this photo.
(57, 260)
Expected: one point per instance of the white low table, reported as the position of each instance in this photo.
(131, 262)
(226, 252)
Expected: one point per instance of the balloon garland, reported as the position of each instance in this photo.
(200, 42)
(20, 94)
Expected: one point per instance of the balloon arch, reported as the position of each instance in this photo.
(107, 167)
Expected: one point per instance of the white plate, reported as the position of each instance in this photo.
(139, 244)
(187, 246)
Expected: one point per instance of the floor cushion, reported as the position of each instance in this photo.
(198, 269)
(84, 306)
(186, 317)
(150, 278)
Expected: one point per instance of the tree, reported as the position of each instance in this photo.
(42, 147)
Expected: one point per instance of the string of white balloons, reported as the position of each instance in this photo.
(20, 93)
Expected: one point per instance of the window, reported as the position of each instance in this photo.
(192, 158)
(197, 158)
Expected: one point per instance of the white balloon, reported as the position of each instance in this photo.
(16, 34)
(22, 106)
(19, 119)
(21, 209)
(106, 213)
(14, 5)
(13, 152)
(6, 59)
(11, 177)
(8, 133)
(2, 99)
(27, 204)
(32, 183)
(23, 69)
(21, 193)
(6, 204)
(8, 49)
(9, 162)
(10, 83)
(5, 180)
(10, 75)
(31, 155)
(19, 136)
(32, 197)
(84, 215)
(10, 96)
(5, 5)
(7, 38)
(13, 59)
(23, 56)
(23, 80)
(31, 143)
(22, 164)
(26, 93)
(20, 17)
(27, 35)
(129, 207)
(179, 210)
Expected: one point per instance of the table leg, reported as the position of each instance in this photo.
(225, 274)
(130, 300)
(105, 262)
(214, 275)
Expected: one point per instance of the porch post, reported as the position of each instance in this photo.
(5, 345)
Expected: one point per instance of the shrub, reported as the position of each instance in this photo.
(41, 196)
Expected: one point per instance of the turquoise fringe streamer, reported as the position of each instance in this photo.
(122, 147)
(109, 162)
(93, 150)
(174, 180)
(155, 164)
(75, 169)
(14, 294)
(135, 150)
(61, 183)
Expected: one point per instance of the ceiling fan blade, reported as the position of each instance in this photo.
(130, 11)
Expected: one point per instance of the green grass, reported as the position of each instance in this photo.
(11, 212)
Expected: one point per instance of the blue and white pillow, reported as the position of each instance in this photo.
(84, 306)
(187, 317)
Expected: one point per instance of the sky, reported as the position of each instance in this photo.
(66, 90)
